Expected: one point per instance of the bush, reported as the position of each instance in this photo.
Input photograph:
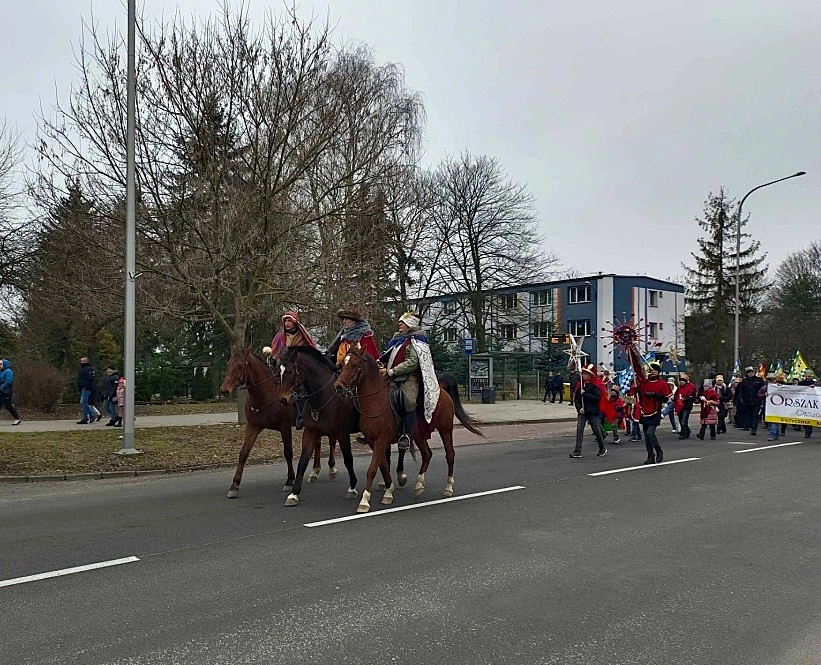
(37, 385)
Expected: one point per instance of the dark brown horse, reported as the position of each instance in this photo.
(361, 377)
(263, 410)
(325, 412)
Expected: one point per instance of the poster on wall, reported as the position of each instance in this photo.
(481, 374)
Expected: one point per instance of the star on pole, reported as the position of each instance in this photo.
(575, 351)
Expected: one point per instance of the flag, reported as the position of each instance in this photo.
(779, 370)
(737, 368)
(762, 371)
(625, 377)
(799, 366)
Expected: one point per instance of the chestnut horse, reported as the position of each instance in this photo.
(361, 377)
(325, 412)
(263, 410)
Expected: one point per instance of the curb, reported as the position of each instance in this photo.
(102, 475)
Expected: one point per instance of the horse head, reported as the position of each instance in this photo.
(236, 370)
(289, 377)
(351, 373)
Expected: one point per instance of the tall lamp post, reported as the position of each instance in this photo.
(736, 357)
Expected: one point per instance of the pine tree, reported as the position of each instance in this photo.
(711, 283)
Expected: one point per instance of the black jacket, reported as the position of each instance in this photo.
(558, 382)
(110, 386)
(588, 398)
(86, 378)
(748, 390)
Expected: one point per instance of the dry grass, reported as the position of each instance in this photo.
(48, 453)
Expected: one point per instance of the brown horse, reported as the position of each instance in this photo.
(263, 410)
(361, 377)
(325, 412)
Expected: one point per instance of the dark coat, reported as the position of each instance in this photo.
(589, 398)
(557, 382)
(86, 378)
(110, 386)
(747, 391)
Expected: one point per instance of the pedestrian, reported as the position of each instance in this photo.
(619, 407)
(652, 393)
(557, 388)
(591, 401)
(807, 381)
(110, 394)
(86, 380)
(633, 414)
(685, 399)
(120, 402)
(748, 402)
(772, 428)
(574, 379)
(7, 390)
(92, 402)
(669, 409)
(708, 416)
(725, 396)
(548, 388)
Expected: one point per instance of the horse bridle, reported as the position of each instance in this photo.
(247, 385)
(315, 392)
(352, 390)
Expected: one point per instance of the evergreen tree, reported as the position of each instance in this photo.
(711, 283)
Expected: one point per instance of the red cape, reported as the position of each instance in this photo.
(605, 406)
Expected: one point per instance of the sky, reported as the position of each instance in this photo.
(619, 118)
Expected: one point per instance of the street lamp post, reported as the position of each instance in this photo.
(736, 356)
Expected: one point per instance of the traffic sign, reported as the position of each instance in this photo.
(469, 346)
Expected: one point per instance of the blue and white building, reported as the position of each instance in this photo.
(532, 317)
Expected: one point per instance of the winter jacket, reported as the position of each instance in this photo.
(589, 399)
(110, 386)
(747, 391)
(6, 377)
(652, 394)
(86, 378)
(557, 382)
(685, 397)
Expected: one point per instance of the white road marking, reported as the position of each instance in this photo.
(645, 466)
(435, 502)
(68, 571)
(777, 445)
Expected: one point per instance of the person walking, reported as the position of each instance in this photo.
(591, 403)
(120, 402)
(725, 397)
(709, 410)
(7, 390)
(749, 401)
(86, 378)
(808, 380)
(557, 388)
(110, 394)
(652, 393)
(685, 399)
(548, 388)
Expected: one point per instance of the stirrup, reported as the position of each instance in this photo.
(404, 442)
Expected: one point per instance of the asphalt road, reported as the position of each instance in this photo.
(714, 560)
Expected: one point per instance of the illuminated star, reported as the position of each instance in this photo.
(575, 351)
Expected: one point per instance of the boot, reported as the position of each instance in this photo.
(118, 422)
(659, 456)
(651, 459)
(111, 422)
(84, 421)
(407, 429)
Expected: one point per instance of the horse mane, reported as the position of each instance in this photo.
(312, 353)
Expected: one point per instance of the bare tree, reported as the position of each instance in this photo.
(486, 225)
(247, 141)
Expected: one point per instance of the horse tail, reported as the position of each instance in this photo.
(447, 382)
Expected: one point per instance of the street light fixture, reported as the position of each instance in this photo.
(736, 356)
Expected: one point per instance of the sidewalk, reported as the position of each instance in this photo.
(504, 412)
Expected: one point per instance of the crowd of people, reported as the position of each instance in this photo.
(740, 404)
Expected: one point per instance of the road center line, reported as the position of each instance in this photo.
(68, 571)
(348, 518)
(645, 466)
(777, 445)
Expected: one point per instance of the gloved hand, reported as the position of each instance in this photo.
(383, 372)
(651, 394)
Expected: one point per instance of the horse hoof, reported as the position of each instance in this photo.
(233, 492)
(287, 488)
(419, 491)
(351, 493)
(332, 472)
(292, 500)
(447, 494)
(402, 480)
(363, 508)
(313, 477)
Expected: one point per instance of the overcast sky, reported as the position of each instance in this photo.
(619, 117)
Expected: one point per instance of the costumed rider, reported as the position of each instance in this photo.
(355, 329)
(407, 358)
(291, 333)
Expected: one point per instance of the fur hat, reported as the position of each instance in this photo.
(749, 369)
(719, 377)
(410, 320)
(590, 369)
(350, 313)
(708, 383)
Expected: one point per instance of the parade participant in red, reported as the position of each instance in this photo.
(653, 393)
(709, 410)
(619, 407)
(591, 402)
(634, 413)
(684, 401)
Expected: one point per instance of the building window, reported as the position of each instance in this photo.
(449, 335)
(449, 307)
(654, 298)
(543, 297)
(578, 294)
(508, 301)
(654, 330)
(541, 329)
(579, 327)
(508, 331)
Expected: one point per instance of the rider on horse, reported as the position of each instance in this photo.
(291, 333)
(354, 329)
(405, 358)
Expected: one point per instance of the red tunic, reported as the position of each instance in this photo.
(651, 405)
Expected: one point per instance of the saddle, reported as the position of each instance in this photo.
(398, 404)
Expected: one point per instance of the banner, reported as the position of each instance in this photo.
(793, 405)
(799, 366)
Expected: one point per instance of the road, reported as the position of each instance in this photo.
(713, 560)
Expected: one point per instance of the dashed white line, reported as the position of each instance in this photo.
(777, 445)
(68, 571)
(435, 502)
(645, 466)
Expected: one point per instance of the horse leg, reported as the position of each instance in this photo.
(347, 457)
(314, 475)
(450, 456)
(249, 439)
(376, 462)
(381, 484)
(332, 470)
(427, 454)
(401, 476)
(288, 451)
(310, 440)
(384, 467)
